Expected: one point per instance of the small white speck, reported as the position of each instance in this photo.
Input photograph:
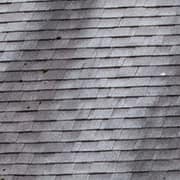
(163, 74)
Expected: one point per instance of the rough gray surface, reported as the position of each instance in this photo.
(90, 90)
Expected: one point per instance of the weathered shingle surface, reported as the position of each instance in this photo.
(89, 89)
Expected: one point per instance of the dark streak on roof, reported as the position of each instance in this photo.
(89, 90)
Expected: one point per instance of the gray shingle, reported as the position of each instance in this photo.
(89, 90)
(124, 176)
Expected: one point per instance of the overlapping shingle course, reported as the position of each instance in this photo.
(89, 90)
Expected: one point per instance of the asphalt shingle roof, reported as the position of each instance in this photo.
(89, 89)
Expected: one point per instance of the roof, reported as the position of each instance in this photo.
(89, 89)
